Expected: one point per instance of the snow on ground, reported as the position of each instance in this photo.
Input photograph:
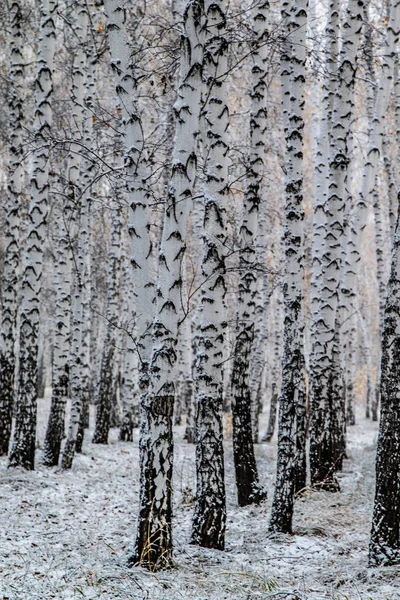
(66, 535)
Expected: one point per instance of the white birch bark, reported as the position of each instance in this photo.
(109, 358)
(325, 365)
(23, 447)
(77, 327)
(210, 511)
(376, 136)
(89, 166)
(248, 488)
(130, 364)
(262, 306)
(291, 466)
(374, 154)
(368, 360)
(67, 231)
(184, 391)
(154, 538)
(275, 371)
(321, 177)
(384, 548)
(61, 340)
(11, 251)
(78, 179)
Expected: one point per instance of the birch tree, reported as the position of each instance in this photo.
(14, 193)
(368, 191)
(248, 487)
(208, 528)
(81, 193)
(107, 379)
(325, 365)
(67, 231)
(153, 547)
(291, 467)
(384, 546)
(23, 447)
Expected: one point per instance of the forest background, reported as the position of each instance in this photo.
(94, 123)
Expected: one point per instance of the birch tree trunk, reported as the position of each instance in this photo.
(77, 327)
(23, 447)
(275, 374)
(153, 548)
(14, 191)
(291, 467)
(67, 231)
(61, 340)
(107, 378)
(130, 368)
(79, 177)
(326, 376)
(374, 154)
(384, 546)
(209, 519)
(248, 487)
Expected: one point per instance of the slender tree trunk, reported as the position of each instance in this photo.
(327, 402)
(153, 548)
(275, 386)
(262, 309)
(107, 377)
(14, 191)
(67, 231)
(247, 482)
(23, 447)
(209, 519)
(291, 466)
(76, 390)
(130, 368)
(351, 359)
(384, 546)
(78, 177)
(60, 368)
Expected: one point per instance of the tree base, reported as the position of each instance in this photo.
(152, 560)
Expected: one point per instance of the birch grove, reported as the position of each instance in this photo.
(200, 254)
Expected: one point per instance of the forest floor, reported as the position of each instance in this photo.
(66, 535)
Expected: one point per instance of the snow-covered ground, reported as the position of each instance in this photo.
(66, 535)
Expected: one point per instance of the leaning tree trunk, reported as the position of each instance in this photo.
(209, 519)
(247, 482)
(384, 546)
(153, 548)
(11, 251)
(23, 447)
(291, 466)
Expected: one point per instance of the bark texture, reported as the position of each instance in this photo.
(23, 448)
(248, 487)
(14, 191)
(153, 548)
(291, 466)
(209, 519)
(384, 546)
